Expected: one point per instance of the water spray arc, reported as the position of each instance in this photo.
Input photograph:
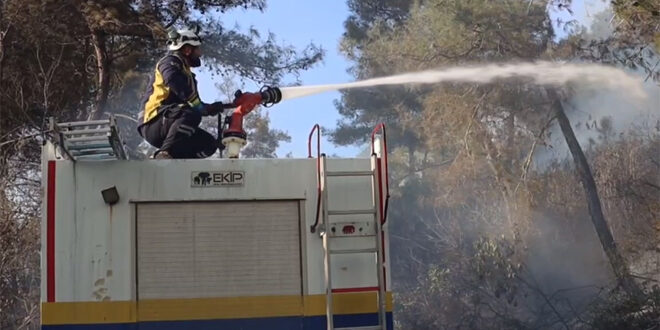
(540, 73)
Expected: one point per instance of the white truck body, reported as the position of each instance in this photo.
(203, 244)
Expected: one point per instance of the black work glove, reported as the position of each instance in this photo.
(213, 109)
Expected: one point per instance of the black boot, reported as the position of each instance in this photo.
(162, 154)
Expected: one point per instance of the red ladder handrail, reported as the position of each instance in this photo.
(316, 128)
(318, 141)
(379, 127)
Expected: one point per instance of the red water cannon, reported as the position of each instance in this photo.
(234, 137)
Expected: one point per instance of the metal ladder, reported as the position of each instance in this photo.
(332, 231)
(91, 140)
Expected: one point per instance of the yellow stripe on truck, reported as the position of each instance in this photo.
(88, 312)
(207, 308)
(219, 308)
(346, 303)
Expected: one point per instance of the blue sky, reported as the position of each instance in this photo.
(582, 10)
(298, 23)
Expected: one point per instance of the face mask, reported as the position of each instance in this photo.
(194, 61)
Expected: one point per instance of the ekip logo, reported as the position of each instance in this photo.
(217, 179)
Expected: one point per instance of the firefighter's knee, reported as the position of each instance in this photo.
(206, 143)
(208, 151)
(191, 117)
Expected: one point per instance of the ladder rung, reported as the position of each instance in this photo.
(350, 173)
(95, 157)
(351, 251)
(103, 137)
(92, 152)
(371, 327)
(352, 212)
(88, 146)
(87, 131)
(83, 123)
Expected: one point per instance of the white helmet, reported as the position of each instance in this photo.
(183, 37)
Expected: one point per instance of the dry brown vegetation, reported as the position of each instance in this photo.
(492, 225)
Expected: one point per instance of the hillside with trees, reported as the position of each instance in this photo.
(514, 206)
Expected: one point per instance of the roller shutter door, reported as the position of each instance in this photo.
(220, 249)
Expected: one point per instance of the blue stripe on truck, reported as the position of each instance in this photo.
(273, 323)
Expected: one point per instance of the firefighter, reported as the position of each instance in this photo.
(172, 110)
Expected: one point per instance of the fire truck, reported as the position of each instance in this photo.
(221, 243)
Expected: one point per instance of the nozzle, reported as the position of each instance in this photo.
(270, 95)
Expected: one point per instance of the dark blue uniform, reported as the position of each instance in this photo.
(172, 111)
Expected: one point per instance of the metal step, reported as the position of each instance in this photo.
(83, 123)
(103, 137)
(371, 327)
(89, 146)
(87, 131)
(351, 212)
(96, 157)
(351, 251)
(350, 173)
(101, 151)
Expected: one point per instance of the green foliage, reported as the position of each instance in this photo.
(435, 33)
(50, 63)
(383, 15)
(641, 20)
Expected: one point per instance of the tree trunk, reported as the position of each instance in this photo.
(593, 201)
(2, 53)
(103, 71)
(412, 166)
(3, 35)
(510, 140)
